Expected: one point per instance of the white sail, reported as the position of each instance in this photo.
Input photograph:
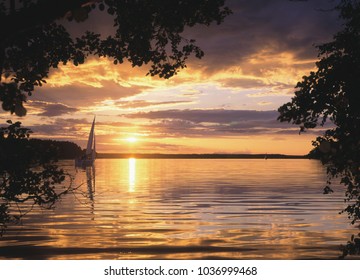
(89, 148)
(89, 157)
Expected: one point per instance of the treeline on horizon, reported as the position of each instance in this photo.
(62, 149)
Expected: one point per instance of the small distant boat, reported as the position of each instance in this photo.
(90, 154)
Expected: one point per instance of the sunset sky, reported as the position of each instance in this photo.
(224, 103)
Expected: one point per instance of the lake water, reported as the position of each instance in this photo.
(187, 209)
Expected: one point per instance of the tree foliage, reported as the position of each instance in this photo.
(331, 94)
(28, 176)
(34, 40)
(62, 149)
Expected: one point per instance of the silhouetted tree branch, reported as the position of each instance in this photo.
(32, 14)
(331, 93)
(147, 32)
(28, 176)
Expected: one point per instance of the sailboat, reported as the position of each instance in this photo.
(90, 154)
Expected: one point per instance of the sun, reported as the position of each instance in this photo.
(131, 139)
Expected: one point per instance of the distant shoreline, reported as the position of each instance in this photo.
(200, 156)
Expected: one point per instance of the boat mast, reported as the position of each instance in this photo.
(94, 149)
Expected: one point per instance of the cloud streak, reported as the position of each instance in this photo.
(219, 123)
(131, 104)
(48, 109)
(208, 116)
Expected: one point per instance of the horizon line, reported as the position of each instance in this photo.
(199, 155)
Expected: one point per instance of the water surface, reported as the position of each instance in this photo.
(187, 209)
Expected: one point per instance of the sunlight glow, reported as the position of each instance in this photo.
(131, 139)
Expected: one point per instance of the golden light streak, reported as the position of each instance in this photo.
(265, 66)
(132, 174)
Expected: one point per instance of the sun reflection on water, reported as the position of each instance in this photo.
(132, 174)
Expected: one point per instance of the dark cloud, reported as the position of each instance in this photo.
(274, 26)
(60, 127)
(82, 96)
(208, 116)
(176, 128)
(219, 123)
(243, 83)
(52, 109)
